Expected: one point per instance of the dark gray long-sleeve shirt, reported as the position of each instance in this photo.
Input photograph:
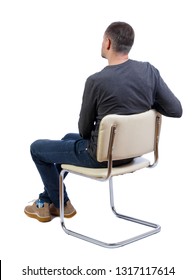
(128, 88)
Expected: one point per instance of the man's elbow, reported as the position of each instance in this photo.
(179, 112)
(174, 114)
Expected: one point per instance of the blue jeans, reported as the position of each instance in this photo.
(48, 155)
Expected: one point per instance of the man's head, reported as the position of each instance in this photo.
(119, 37)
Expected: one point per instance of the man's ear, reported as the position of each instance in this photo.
(108, 44)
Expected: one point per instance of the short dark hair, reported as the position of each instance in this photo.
(122, 36)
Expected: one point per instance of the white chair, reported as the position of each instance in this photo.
(120, 137)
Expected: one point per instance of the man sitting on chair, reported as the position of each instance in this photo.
(123, 87)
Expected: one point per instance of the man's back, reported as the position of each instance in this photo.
(127, 88)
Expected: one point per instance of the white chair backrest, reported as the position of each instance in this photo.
(135, 135)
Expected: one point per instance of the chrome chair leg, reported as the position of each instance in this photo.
(156, 228)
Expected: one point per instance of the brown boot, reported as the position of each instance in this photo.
(69, 210)
(41, 213)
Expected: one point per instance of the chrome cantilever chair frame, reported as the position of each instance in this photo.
(104, 174)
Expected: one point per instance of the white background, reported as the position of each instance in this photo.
(47, 50)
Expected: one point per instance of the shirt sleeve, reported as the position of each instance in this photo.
(166, 102)
(87, 117)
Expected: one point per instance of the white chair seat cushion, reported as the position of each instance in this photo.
(135, 164)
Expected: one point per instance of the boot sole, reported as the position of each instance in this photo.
(65, 215)
(37, 217)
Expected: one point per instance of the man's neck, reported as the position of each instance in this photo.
(117, 59)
